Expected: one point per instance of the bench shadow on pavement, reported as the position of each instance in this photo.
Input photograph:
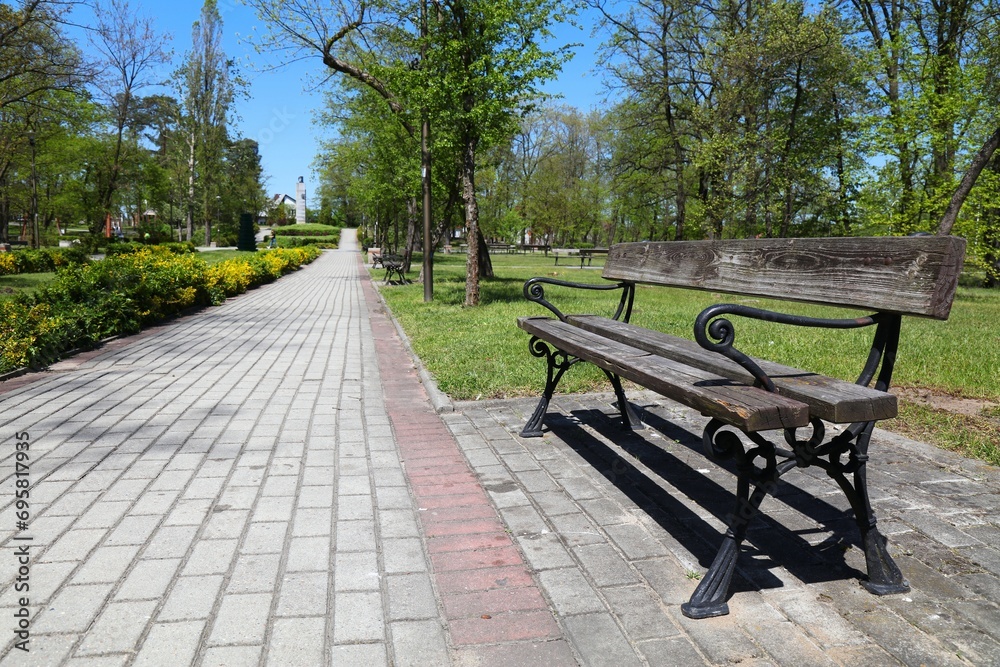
(769, 543)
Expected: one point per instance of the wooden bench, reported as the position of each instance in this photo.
(564, 252)
(532, 247)
(589, 254)
(393, 265)
(766, 402)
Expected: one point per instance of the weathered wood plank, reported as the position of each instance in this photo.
(914, 275)
(832, 399)
(740, 405)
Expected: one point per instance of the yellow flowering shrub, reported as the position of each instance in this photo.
(8, 265)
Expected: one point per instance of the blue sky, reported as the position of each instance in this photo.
(279, 111)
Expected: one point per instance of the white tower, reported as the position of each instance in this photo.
(300, 202)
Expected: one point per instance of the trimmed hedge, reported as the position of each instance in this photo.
(127, 247)
(308, 229)
(300, 241)
(124, 293)
(40, 261)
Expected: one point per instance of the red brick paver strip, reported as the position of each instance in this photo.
(485, 586)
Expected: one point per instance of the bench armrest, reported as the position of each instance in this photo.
(716, 333)
(534, 290)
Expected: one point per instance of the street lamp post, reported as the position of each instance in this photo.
(425, 172)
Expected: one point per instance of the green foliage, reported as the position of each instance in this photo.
(307, 229)
(40, 261)
(300, 241)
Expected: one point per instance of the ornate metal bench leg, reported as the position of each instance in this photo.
(630, 420)
(709, 599)
(557, 363)
(884, 576)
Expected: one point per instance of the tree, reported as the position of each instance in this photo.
(131, 52)
(207, 91)
(482, 65)
(36, 56)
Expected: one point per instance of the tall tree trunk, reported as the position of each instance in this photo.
(471, 221)
(190, 188)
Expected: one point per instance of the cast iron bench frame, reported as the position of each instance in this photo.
(393, 265)
(891, 276)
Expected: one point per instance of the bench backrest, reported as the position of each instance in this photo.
(911, 275)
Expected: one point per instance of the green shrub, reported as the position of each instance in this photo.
(308, 229)
(41, 261)
(300, 241)
(124, 248)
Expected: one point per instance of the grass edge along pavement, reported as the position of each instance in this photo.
(479, 353)
(123, 294)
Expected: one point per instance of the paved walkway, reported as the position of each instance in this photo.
(267, 483)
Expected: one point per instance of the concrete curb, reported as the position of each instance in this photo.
(439, 400)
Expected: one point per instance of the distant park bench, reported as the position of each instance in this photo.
(532, 247)
(585, 254)
(886, 277)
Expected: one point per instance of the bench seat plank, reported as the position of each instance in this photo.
(831, 399)
(735, 403)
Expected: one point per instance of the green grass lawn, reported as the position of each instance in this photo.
(481, 353)
(23, 282)
(212, 257)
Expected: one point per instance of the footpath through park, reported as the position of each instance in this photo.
(269, 482)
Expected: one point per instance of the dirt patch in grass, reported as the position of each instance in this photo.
(972, 407)
(968, 426)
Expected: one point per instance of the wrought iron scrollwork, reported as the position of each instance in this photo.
(718, 335)
(557, 363)
(534, 290)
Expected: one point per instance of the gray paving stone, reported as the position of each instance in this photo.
(103, 514)
(73, 545)
(106, 565)
(359, 654)
(356, 571)
(241, 619)
(403, 555)
(72, 609)
(297, 642)
(599, 641)
(411, 597)
(148, 580)
(230, 656)
(225, 523)
(254, 573)
(570, 592)
(265, 537)
(357, 617)
(117, 628)
(545, 552)
(308, 554)
(210, 557)
(312, 521)
(419, 644)
(304, 594)
(355, 536)
(191, 598)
